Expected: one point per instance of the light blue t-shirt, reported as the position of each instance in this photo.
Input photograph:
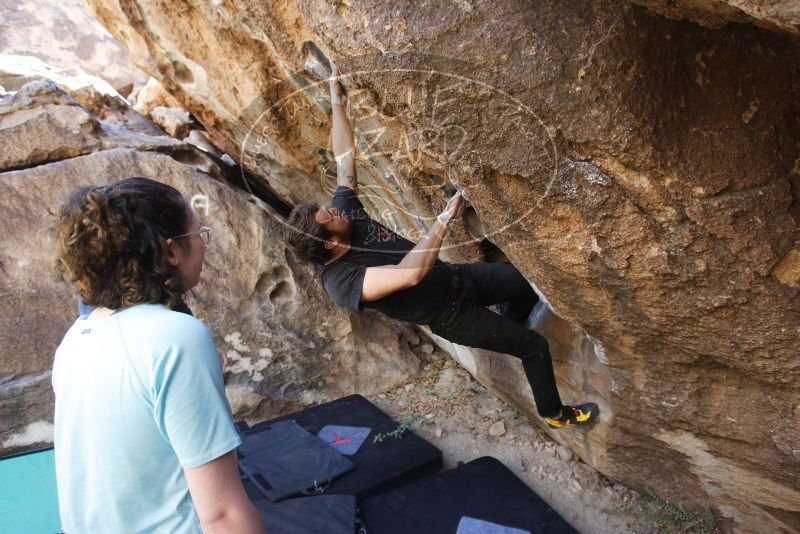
(139, 397)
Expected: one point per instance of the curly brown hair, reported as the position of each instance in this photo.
(112, 242)
(305, 236)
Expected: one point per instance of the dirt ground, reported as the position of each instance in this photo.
(458, 415)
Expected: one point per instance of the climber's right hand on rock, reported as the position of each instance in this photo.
(454, 208)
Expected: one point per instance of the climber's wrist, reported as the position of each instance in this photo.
(444, 218)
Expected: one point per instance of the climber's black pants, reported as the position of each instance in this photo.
(466, 320)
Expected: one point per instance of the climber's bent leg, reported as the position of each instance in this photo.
(475, 326)
(497, 283)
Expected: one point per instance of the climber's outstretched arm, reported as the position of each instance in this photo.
(416, 264)
(344, 148)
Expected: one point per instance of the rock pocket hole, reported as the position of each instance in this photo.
(313, 54)
(281, 292)
(316, 62)
(182, 73)
(277, 284)
(491, 253)
(474, 224)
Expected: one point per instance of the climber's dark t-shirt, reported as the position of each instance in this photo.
(371, 245)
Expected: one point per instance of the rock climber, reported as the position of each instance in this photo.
(366, 265)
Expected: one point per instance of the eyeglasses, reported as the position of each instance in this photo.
(204, 232)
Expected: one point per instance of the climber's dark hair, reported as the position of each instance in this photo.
(305, 236)
(112, 242)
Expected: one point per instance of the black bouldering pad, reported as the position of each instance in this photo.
(323, 514)
(283, 459)
(483, 489)
(380, 466)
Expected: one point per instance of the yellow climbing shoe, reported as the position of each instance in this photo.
(581, 415)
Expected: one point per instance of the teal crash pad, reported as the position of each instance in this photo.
(28, 496)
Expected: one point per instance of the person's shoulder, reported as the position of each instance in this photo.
(344, 191)
(346, 198)
(330, 271)
(338, 268)
(341, 280)
(71, 334)
(338, 273)
(157, 338)
(160, 321)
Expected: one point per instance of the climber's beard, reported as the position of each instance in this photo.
(340, 228)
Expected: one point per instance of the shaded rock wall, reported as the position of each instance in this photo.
(641, 172)
(289, 347)
(778, 15)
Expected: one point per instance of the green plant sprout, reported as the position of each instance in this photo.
(668, 517)
(675, 519)
(398, 432)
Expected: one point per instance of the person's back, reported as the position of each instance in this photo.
(122, 442)
(144, 438)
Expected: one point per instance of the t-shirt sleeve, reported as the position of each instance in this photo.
(343, 283)
(189, 403)
(346, 201)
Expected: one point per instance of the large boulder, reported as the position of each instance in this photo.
(93, 93)
(640, 171)
(288, 345)
(151, 96)
(40, 123)
(65, 35)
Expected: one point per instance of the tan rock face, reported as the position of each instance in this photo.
(175, 121)
(638, 170)
(151, 96)
(40, 123)
(64, 34)
(93, 93)
(288, 345)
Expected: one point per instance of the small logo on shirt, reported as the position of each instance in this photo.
(378, 234)
(86, 331)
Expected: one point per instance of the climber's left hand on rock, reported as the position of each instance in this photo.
(337, 91)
